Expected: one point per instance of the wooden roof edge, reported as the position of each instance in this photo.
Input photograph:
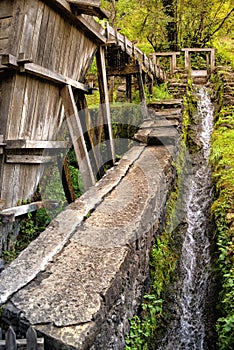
(64, 7)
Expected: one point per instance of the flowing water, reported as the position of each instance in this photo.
(188, 330)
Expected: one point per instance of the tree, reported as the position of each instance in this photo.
(172, 24)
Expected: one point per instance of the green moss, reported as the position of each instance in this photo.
(163, 263)
(190, 108)
(222, 162)
(31, 225)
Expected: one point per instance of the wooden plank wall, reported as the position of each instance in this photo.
(31, 107)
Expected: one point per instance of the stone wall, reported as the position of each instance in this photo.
(85, 276)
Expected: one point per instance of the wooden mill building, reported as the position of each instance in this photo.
(46, 50)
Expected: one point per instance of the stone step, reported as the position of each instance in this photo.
(169, 113)
(158, 135)
(166, 104)
(160, 122)
(176, 84)
(163, 136)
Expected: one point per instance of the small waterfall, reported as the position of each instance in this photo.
(188, 330)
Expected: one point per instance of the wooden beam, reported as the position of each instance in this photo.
(50, 75)
(197, 49)
(104, 98)
(124, 70)
(66, 179)
(29, 159)
(144, 108)
(22, 209)
(129, 87)
(21, 144)
(65, 10)
(9, 60)
(76, 132)
(89, 7)
(212, 59)
(23, 342)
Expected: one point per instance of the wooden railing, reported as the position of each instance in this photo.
(150, 67)
(30, 343)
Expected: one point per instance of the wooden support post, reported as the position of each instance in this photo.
(173, 63)
(104, 99)
(151, 86)
(66, 179)
(76, 132)
(186, 59)
(208, 62)
(129, 87)
(111, 88)
(212, 59)
(142, 94)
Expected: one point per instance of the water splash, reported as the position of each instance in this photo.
(188, 331)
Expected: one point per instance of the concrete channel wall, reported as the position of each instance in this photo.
(81, 280)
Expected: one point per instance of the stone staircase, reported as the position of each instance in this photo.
(163, 125)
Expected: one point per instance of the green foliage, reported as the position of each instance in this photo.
(77, 181)
(222, 161)
(190, 107)
(164, 25)
(163, 262)
(224, 51)
(160, 92)
(31, 225)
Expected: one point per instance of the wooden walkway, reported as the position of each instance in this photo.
(115, 40)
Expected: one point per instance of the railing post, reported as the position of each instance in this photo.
(186, 59)
(1, 347)
(11, 339)
(31, 337)
(212, 59)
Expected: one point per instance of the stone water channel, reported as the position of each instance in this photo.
(190, 324)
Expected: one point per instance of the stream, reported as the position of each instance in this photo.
(187, 330)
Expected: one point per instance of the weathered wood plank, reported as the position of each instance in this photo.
(9, 60)
(36, 31)
(17, 27)
(197, 49)
(56, 49)
(55, 77)
(6, 90)
(104, 99)
(49, 39)
(144, 109)
(14, 117)
(77, 136)
(42, 35)
(91, 8)
(129, 69)
(11, 339)
(29, 159)
(29, 144)
(79, 21)
(30, 104)
(21, 342)
(28, 28)
(23, 209)
(31, 337)
(5, 26)
(56, 42)
(6, 8)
